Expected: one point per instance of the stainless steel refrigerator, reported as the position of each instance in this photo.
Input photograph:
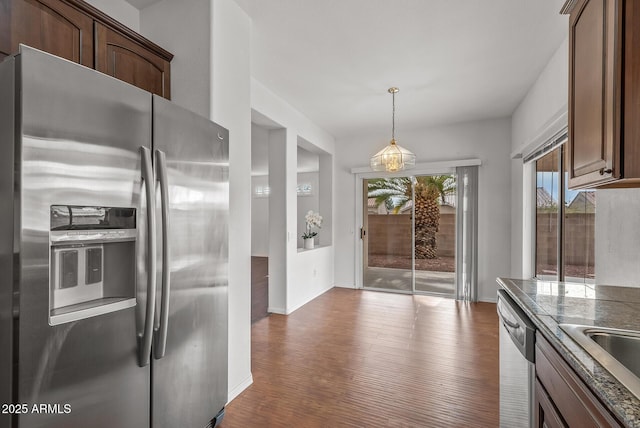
(113, 253)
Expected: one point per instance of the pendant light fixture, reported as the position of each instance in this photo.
(393, 158)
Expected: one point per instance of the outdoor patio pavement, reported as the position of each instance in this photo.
(400, 279)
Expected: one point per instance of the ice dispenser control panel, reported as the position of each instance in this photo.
(84, 223)
(92, 261)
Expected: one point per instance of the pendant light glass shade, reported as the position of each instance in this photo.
(393, 158)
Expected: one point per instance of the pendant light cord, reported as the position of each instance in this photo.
(393, 158)
(393, 91)
(393, 116)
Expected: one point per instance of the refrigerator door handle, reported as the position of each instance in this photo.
(145, 340)
(160, 333)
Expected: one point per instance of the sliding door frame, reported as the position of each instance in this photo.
(364, 238)
(361, 174)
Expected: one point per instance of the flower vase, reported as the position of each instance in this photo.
(308, 243)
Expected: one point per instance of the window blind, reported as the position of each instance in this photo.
(467, 234)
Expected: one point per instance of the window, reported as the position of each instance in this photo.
(305, 189)
(547, 215)
(261, 191)
(564, 222)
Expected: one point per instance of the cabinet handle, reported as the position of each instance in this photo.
(605, 171)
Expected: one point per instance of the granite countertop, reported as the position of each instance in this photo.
(551, 303)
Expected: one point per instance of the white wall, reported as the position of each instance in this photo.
(119, 10)
(326, 199)
(310, 275)
(543, 110)
(307, 203)
(259, 219)
(541, 114)
(259, 205)
(305, 274)
(618, 237)
(280, 142)
(184, 29)
(231, 107)
(487, 140)
(260, 212)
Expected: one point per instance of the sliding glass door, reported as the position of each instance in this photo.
(388, 234)
(409, 234)
(565, 223)
(435, 233)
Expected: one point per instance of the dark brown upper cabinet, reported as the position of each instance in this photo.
(75, 30)
(604, 90)
(120, 57)
(49, 25)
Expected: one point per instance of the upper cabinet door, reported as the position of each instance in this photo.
(77, 31)
(594, 92)
(120, 57)
(49, 25)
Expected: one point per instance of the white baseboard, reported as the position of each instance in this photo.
(273, 310)
(237, 390)
(350, 286)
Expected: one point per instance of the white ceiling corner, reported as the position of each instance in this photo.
(141, 4)
(453, 61)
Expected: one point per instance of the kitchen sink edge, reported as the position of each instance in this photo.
(586, 335)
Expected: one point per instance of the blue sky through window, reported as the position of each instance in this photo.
(549, 181)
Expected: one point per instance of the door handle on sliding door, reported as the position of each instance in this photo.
(160, 333)
(145, 342)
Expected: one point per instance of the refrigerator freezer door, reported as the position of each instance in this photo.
(78, 145)
(190, 381)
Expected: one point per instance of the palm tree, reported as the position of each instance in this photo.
(430, 192)
(393, 192)
(445, 185)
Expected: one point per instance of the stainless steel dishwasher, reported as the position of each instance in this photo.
(517, 369)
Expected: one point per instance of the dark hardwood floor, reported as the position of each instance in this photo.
(259, 287)
(369, 359)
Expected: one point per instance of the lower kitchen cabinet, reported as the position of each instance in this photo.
(562, 398)
(546, 413)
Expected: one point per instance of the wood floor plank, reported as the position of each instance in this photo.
(354, 358)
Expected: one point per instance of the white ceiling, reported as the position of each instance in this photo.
(452, 60)
(141, 4)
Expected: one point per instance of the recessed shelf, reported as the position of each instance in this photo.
(89, 309)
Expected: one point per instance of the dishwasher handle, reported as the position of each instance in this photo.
(517, 325)
(505, 320)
